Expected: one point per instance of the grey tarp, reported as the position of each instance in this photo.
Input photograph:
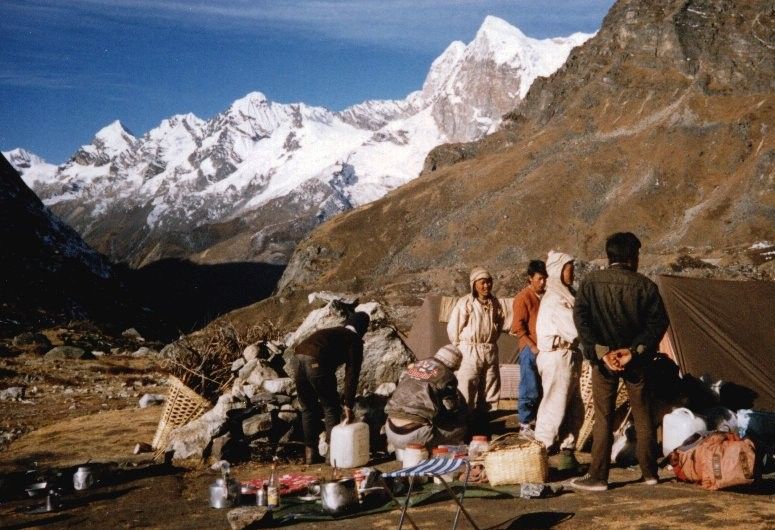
(725, 329)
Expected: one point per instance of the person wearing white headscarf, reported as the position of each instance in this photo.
(474, 325)
(559, 361)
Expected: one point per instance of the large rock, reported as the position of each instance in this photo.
(257, 424)
(249, 517)
(192, 440)
(385, 356)
(67, 353)
(280, 385)
(260, 374)
(251, 352)
(34, 342)
(332, 315)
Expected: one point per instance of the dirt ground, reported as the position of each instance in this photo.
(137, 493)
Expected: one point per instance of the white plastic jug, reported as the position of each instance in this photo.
(678, 426)
(349, 445)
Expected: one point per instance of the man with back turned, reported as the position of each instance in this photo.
(621, 318)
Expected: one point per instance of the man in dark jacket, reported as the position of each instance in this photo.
(620, 318)
(314, 372)
(427, 407)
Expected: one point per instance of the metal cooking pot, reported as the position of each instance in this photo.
(339, 496)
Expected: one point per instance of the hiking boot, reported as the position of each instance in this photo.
(587, 483)
(526, 430)
(565, 460)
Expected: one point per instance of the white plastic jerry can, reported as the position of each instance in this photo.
(349, 445)
(678, 426)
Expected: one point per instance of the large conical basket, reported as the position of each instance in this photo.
(182, 406)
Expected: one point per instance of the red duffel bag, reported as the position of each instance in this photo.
(716, 460)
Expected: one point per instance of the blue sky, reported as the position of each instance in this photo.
(70, 67)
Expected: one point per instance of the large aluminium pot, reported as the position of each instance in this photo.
(339, 496)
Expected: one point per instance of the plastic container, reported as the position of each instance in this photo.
(349, 445)
(678, 426)
(442, 452)
(414, 454)
(478, 446)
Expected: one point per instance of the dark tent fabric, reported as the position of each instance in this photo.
(429, 333)
(725, 329)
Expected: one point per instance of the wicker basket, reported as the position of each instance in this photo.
(585, 385)
(182, 406)
(516, 460)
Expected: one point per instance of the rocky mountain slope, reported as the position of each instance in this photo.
(661, 124)
(249, 183)
(49, 273)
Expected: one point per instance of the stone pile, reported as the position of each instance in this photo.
(261, 408)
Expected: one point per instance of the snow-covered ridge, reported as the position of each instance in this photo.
(188, 171)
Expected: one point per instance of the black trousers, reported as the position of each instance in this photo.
(318, 397)
(604, 388)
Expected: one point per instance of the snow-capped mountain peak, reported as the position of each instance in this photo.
(22, 159)
(114, 137)
(34, 169)
(303, 162)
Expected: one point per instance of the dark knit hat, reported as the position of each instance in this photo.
(359, 321)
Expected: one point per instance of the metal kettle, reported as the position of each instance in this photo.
(339, 496)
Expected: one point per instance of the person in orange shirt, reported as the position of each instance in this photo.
(525, 310)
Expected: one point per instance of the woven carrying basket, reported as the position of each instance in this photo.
(585, 385)
(182, 406)
(516, 460)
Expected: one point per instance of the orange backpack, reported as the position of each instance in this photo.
(717, 460)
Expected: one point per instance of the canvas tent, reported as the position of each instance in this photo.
(725, 329)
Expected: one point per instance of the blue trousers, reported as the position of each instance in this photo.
(529, 387)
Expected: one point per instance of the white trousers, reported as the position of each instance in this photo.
(560, 413)
(479, 377)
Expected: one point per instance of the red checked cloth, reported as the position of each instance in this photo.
(289, 484)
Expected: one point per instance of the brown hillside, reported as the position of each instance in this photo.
(661, 124)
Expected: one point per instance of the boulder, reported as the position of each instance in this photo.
(229, 448)
(35, 342)
(143, 351)
(280, 385)
(132, 334)
(151, 399)
(261, 373)
(246, 370)
(13, 393)
(192, 439)
(375, 312)
(385, 356)
(68, 352)
(249, 517)
(332, 315)
(260, 423)
(288, 413)
(237, 365)
(251, 352)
